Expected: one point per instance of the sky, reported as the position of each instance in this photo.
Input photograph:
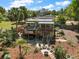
(35, 4)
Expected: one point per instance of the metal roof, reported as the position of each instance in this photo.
(39, 20)
(45, 22)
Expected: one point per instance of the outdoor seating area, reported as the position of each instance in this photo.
(46, 50)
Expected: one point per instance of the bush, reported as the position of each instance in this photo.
(6, 55)
(60, 53)
(61, 32)
(8, 37)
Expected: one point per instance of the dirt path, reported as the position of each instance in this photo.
(71, 35)
(14, 54)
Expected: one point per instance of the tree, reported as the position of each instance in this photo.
(23, 13)
(61, 17)
(73, 10)
(3, 17)
(32, 13)
(2, 10)
(21, 43)
(13, 14)
(17, 14)
(3, 14)
(54, 12)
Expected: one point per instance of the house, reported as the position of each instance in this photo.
(40, 28)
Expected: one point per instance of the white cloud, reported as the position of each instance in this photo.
(49, 6)
(40, 1)
(18, 3)
(63, 3)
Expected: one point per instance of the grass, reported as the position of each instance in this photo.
(6, 25)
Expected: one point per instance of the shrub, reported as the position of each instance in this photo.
(61, 32)
(7, 38)
(60, 53)
(6, 55)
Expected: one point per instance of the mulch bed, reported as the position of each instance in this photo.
(15, 53)
(71, 50)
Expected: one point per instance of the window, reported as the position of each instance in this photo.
(31, 26)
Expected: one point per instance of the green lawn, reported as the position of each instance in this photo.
(6, 25)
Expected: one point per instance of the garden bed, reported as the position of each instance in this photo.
(31, 55)
(71, 50)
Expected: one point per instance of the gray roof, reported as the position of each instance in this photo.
(45, 17)
(45, 22)
(41, 19)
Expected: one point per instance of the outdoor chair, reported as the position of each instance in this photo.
(45, 53)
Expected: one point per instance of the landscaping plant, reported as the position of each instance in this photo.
(23, 48)
(60, 53)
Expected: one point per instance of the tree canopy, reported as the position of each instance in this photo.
(73, 10)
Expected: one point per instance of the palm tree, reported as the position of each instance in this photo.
(21, 43)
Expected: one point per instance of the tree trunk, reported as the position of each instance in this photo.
(78, 26)
(20, 53)
(16, 25)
